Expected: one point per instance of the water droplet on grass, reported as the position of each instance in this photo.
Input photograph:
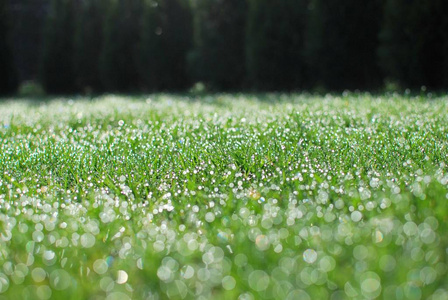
(60, 279)
(310, 256)
(356, 216)
(107, 284)
(122, 277)
(117, 296)
(228, 283)
(262, 242)
(38, 274)
(87, 240)
(100, 266)
(259, 280)
(298, 294)
(164, 273)
(370, 285)
(187, 272)
(43, 292)
(4, 283)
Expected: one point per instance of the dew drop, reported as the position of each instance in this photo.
(310, 256)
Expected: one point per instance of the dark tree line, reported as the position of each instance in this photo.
(116, 46)
(342, 43)
(218, 54)
(414, 42)
(168, 45)
(8, 79)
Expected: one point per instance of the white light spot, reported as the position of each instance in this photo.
(122, 277)
(356, 216)
(87, 240)
(310, 256)
(100, 266)
(259, 280)
(228, 283)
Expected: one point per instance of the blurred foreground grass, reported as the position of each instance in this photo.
(224, 197)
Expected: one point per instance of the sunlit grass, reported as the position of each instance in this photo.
(224, 197)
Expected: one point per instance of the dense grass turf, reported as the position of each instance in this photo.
(224, 197)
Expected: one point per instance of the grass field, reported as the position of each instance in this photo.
(224, 197)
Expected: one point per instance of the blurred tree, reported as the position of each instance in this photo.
(342, 42)
(274, 44)
(8, 78)
(57, 66)
(218, 57)
(413, 48)
(119, 55)
(444, 36)
(88, 44)
(151, 45)
(166, 35)
(27, 18)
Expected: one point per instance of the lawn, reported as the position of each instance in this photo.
(224, 197)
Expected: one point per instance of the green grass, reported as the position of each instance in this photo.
(224, 197)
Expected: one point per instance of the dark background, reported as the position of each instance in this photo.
(96, 46)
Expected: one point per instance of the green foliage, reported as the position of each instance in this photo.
(415, 42)
(57, 70)
(166, 37)
(31, 89)
(274, 44)
(342, 41)
(8, 75)
(276, 196)
(218, 57)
